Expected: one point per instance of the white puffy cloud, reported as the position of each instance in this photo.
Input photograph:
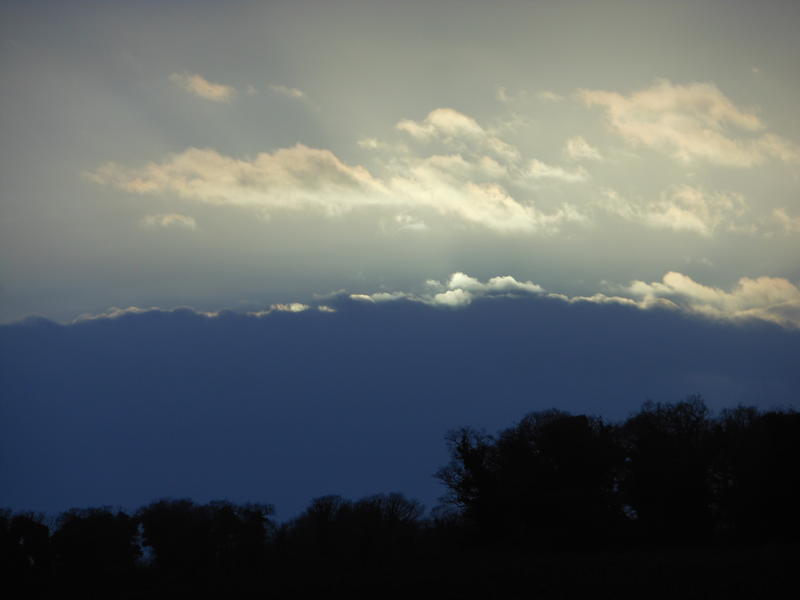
(292, 307)
(691, 122)
(457, 297)
(495, 285)
(167, 220)
(578, 148)
(459, 290)
(201, 87)
(682, 208)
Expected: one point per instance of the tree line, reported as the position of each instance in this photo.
(671, 479)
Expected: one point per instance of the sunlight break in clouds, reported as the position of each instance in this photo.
(200, 86)
(690, 122)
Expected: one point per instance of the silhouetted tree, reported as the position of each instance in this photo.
(95, 545)
(668, 477)
(25, 552)
(373, 528)
(757, 475)
(205, 541)
(550, 480)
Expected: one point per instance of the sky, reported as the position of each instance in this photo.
(474, 210)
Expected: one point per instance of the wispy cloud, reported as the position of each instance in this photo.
(683, 208)
(788, 223)
(201, 87)
(169, 220)
(549, 96)
(578, 148)
(539, 170)
(289, 92)
(457, 130)
(294, 94)
(691, 122)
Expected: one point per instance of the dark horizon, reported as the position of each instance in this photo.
(288, 406)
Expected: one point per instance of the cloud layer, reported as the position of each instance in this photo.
(471, 182)
(771, 299)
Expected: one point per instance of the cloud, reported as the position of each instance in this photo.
(370, 143)
(539, 170)
(457, 130)
(503, 284)
(294, 94)
(549, 96)
(169, 220)
(691, 122)
(289, 92)
(772, 299)
(454, 298)
(459, 290)
(291, 178)
(292, 307)
(303, 178)
(200, 86)
(404, 222)
(115, 312)
(501, 94)
(683, 208)
(788, 223)
(578, 148)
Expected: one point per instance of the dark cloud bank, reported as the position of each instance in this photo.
(287, 407)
